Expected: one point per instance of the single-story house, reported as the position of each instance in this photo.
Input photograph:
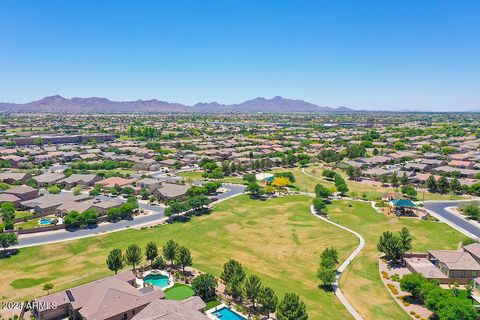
(115, 181)
(23, 192)
(149, 183)
(84, 180)
(5, 197)
(171, 191)
(12, 177)
(48, 178)
(455, 264)
(48, 204)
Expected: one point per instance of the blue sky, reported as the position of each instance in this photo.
(422, 55)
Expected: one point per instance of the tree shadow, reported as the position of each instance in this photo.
(5, 254)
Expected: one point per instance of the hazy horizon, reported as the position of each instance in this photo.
(363, 55)
(394, 109)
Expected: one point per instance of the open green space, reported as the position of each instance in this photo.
(361, 282)
(179, 292)
(371, 190)
(279, 240)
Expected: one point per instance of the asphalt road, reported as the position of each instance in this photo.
(462, 223)
(157, 215)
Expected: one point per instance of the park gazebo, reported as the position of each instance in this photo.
(403, 207)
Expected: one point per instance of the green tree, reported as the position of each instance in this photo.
(319, 205)
(8, 215)
(404, 180)
(254, 189)
(249, 177)
(431, 183)
(204, 286)
(252, 288)
(233, 276)
(457, 309)
(291, 308)
(405, 239)
(170, 250)
(198, 202)
(472, 211)
(394, 179)
(413, 283)
(391, 246)
(455, 185)
(115, 260)
(77, 191)
(322, 192)
(326, 276)
(7, 240)
(151, 252)
(54, 190)
(183, 258)
(342, 188)
(443, 185)
(410, 192)
(133, 255)
(267, 299)
(329, 257)
(47, 287)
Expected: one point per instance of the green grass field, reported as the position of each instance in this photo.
(179, 292)
(279, 239)
(361, 282)
(358, 188)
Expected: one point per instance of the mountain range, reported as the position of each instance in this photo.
(59, 104)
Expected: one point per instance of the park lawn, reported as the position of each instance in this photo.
(278, 239)
(303, 182)
(373, 192)
(179, 292)
(361, 281)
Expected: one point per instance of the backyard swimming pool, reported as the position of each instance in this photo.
(44, 221)
(157, 280)
(225, 313)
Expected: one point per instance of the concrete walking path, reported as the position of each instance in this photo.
(344, 265)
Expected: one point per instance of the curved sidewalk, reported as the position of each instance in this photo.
(344, 265)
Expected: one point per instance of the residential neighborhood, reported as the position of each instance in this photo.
(239, 160)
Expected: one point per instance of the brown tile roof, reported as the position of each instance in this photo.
(456, 260)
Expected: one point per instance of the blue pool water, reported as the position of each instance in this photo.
(227, 314)
(157, 280)
(44, 221)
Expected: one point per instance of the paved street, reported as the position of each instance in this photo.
(156, 216)
(439, 208)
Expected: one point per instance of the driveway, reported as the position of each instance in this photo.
(438, 208)
(157, 215)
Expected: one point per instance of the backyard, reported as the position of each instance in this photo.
(278, 239)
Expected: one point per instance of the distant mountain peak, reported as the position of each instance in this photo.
(59, 104)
